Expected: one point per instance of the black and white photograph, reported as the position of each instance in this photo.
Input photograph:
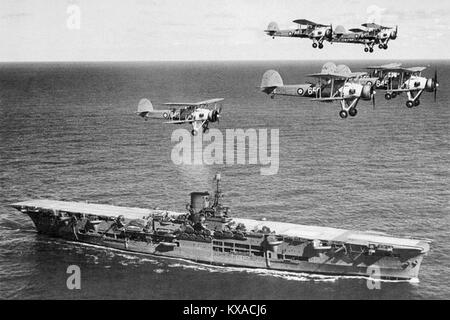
(224, 150)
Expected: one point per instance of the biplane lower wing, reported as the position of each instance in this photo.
(331, 99)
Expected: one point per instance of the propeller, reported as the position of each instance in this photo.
(436, 84)
(215, 116)
(373, 100)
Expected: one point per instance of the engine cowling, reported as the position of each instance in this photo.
(430, 85)
(213, 115)
(393, 35)
(366, 92)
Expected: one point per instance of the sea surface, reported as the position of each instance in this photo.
(68, 132)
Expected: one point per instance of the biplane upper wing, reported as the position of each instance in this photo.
(305, 22)
(414, 69)
(390, 66)
(194, 104)
(331, 75)
(374, 26)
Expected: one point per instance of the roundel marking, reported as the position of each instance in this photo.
(165, 115)
(300, 91)
(290, 33)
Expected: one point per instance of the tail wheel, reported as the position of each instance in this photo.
(352, 112)
(409, 104)
(417, 103)
(388, 96)
(343, 114)
(314, 45)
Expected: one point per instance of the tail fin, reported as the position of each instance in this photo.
(144, 107)
(329, 67)
(270, 81)
(272, 28)
(343, 69)
(340, 30)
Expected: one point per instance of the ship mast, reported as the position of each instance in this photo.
(218, 193)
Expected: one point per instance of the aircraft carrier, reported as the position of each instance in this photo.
(207, 233)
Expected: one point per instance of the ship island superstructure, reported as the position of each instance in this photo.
(207, 233)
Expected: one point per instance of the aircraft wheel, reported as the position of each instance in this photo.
(385, 47)
(272, 97)
(194, 132)
(205, 130)
(343, 114)
(388, 96)
(417, 103)
(320, 45)
(314, 45)
(380, 46)
(371, 50)
(366, 49)
(409, 104)
(394, 95)
(352, 112)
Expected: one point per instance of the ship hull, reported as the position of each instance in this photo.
(335, 264)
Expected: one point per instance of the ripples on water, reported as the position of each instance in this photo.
(68, 132)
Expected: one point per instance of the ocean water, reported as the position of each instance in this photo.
(68, 132)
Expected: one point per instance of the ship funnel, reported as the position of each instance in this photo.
(199, 201)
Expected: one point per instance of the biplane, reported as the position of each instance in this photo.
(394, 79)
(198, 114)
(334, 83)
(317, 32)
(370, 36)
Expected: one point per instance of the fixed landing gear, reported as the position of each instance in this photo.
(366, 49)
(417, 103)
(194, 132)
(352, 112)
(205, 130)
(385, 47)
(381, 46)
(394, 95)
(388, 96)
(409, 104)
(320, 45)
(314, 45)
(343, 114)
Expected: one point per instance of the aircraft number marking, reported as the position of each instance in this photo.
(312, 90)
